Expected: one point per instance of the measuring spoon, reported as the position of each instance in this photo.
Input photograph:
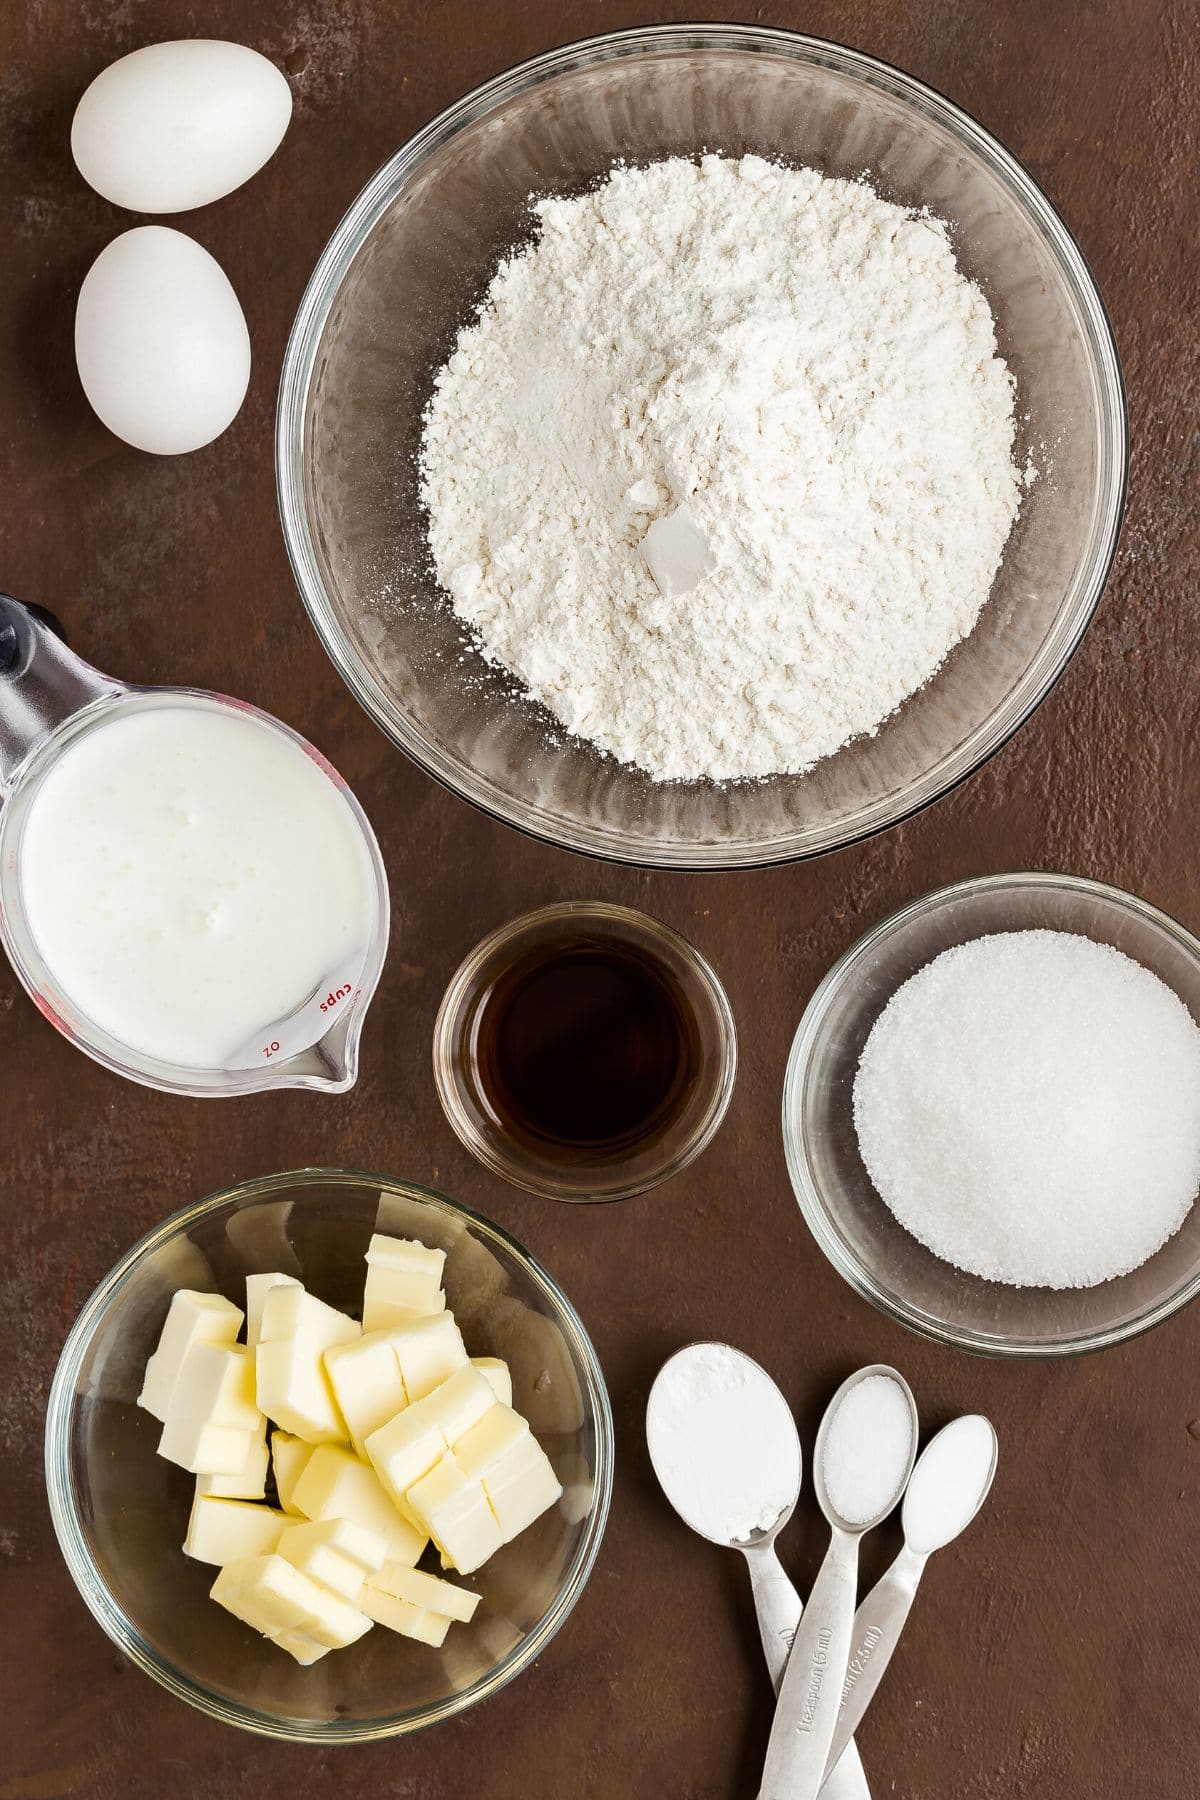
(949, 1485)
(686, 1381)
(809, 1699)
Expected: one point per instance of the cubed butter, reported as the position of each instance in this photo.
(305, 1649)
(404, 1281)
(428, 1352)
(520, 1486)
(367, 1383)
(293, 1388)
(453, 1508)
(221, 1531)
(497, 1373)
(403, 1450)
(408, 1446)
(487, 1443)
(256, 1293)
(250, 1482)
(400, 1615)
(335, 1485)
(268, 1593)
(289, 1459)
(335, 1552)
(213, 1419)
(192, 1318)
(428, 1591)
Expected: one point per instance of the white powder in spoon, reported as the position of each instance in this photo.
(952, 1476)
(722, 470)
(723, 1442)
(866, 1449)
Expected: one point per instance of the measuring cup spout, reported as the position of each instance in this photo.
(331, 1064)
(42, 683)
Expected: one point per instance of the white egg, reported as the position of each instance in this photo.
(176, 125)
(161, 341)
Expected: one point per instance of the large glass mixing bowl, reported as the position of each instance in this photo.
(411, 261)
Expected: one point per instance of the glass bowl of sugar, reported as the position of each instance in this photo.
(407, 270)
(1027, 1100)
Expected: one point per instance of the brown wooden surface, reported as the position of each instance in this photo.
(1055, 1652)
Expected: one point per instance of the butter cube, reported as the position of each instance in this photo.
(213, 1420)
(222, 1531)
(428, 1352)
(404, 1281)
(267, 1593)
(403, 1450)
(305, 1649)
(408, 1446)
(400, 1615)
(289, 1459)
(192, 1318)
(489, 1442)
(293, 1388)
(453, 1508)
(520, 1486)
(427, 1591)
(335, 1552)
(498, 1374)
(250, 1482)
(367, 1383)
(335, 1485)
(206, 1449)
(256, 1293)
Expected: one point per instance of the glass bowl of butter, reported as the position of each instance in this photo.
(121, 1510)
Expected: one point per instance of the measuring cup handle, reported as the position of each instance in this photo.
(42, 683)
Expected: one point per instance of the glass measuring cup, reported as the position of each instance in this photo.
(50, 699)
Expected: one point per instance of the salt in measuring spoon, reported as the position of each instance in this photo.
(950, 1483)
(715, 1423)
(864, 1456)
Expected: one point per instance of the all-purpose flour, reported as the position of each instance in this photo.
(800, 365)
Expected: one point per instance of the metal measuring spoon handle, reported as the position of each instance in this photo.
(812, 1685)
(877, 1627)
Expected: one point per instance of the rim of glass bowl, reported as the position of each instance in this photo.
(299, 365)
(120, 1628)
(808, 1196)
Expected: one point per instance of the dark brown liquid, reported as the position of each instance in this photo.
(588, 1047)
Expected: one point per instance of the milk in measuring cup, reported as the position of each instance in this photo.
(190, 876)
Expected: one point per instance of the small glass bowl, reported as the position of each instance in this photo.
(602, 1174)
(120, 1511)
(861, 1238)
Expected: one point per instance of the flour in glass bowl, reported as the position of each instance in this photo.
(722, 470)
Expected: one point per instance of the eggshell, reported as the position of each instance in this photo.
(176, 125)
(161, 341)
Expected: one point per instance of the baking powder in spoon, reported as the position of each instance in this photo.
(723, 1442)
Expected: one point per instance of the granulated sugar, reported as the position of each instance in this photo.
(723, 469)
(1028, 1106)
(866, 1449)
